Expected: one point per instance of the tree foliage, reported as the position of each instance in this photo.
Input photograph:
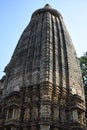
(83, 65)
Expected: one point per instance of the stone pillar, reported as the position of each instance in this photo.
(45, 97)
(13, 128)
(34, 112)
(55, 128)
(18, 113)
(45, 106)
(44, 127)
(45, 111)
(7, 115)
(27, 114)
(75, 115)
(25, 129)
(56, 113)
(46, 92)
(63, 117)
(13, 114)
(34, 128)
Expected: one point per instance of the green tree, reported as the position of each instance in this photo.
(83, 65)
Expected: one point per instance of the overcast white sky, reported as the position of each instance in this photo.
(15, 16)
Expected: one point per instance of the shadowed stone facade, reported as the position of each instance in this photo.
(42, 88)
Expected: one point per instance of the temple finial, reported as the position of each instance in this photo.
(47, 6)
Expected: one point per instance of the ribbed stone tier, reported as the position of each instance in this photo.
(44, 78)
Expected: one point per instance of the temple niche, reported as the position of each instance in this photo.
(45, 111)
(42, 88)
(26, 114)
(34, 112)
(56, 113)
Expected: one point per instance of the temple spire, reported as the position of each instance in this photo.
(43, 89)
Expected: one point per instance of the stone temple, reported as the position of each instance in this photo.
(42, 88)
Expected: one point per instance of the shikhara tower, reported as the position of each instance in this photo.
(42, 89)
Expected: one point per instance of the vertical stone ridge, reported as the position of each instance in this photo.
(24, 66)
(44, 62)
(65, 92)
(56, 53)
(53, 44)
(40, 46)
(55, 60)
(62, 60)
(37, 51)
(50, 50)
(30, 55)
(65, 57)
(59, 54)
(42, 59)
(48, 46)
(33, 38)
